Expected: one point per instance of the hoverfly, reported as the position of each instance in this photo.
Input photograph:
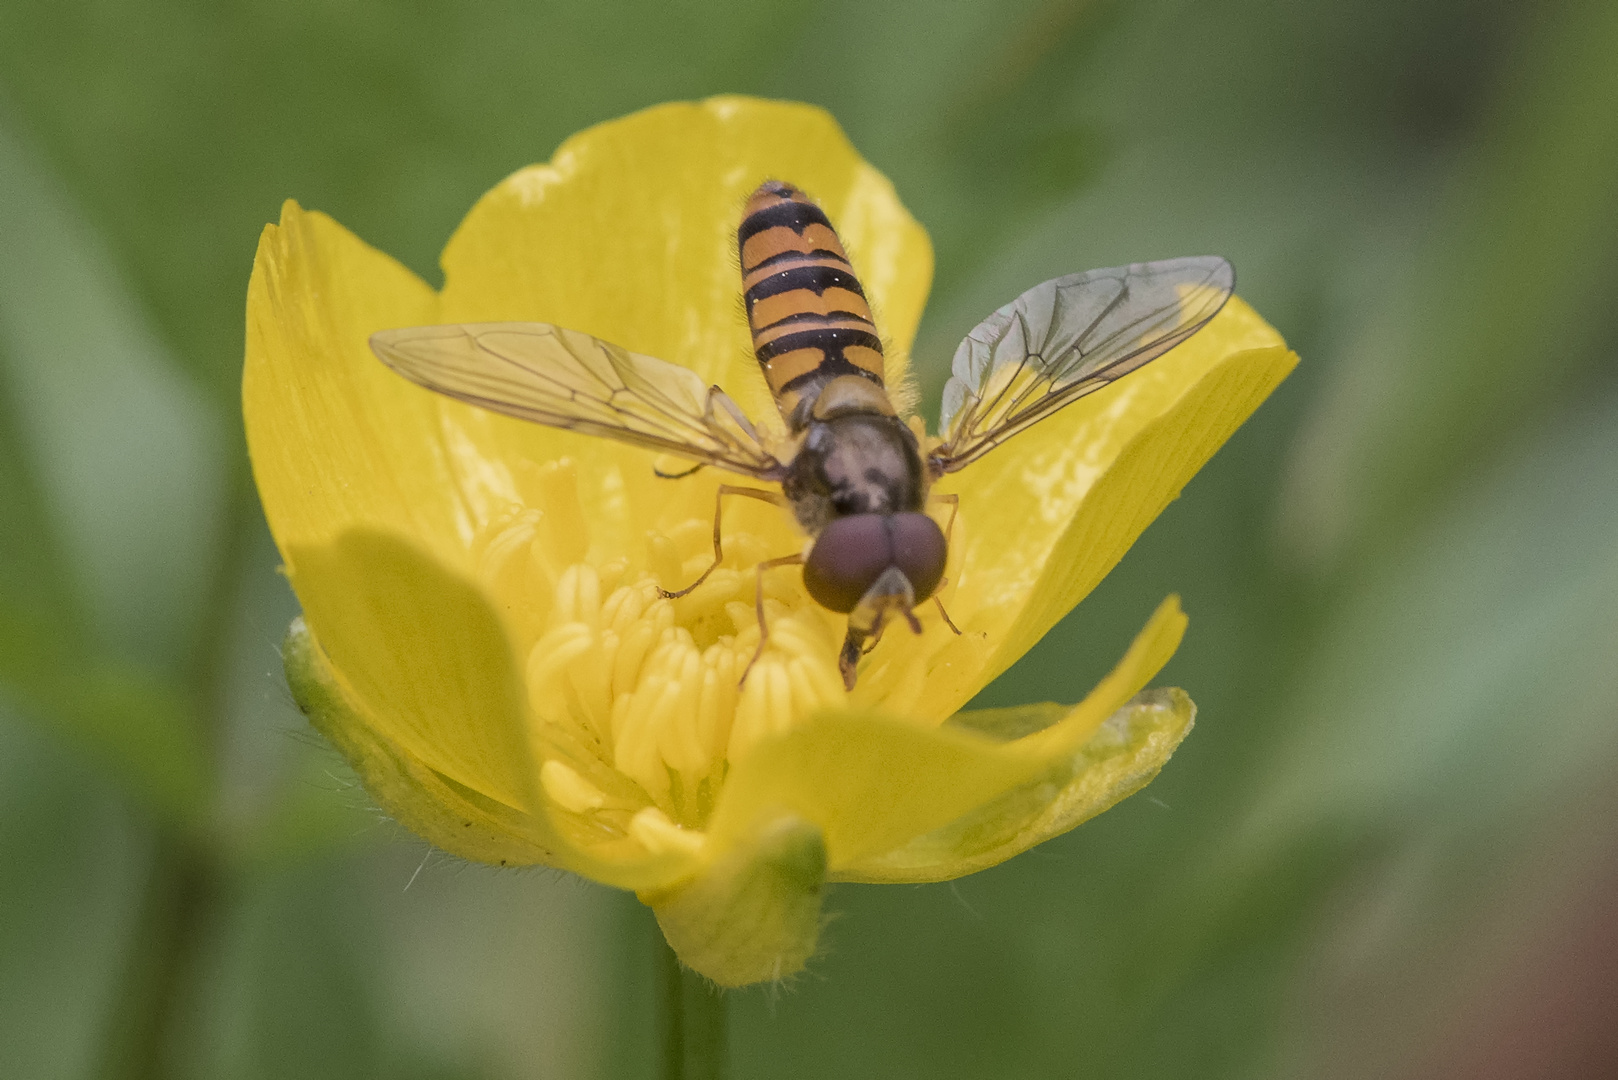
(854, 474)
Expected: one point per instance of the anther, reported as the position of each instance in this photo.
(568, 789)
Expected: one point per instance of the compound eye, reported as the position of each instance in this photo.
(852, 552)
(919, 551)
(848, 556)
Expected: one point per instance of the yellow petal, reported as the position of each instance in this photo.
(1082, 486)
(630, 234)
(424, 656)
(872, 783)
(335, 438)
(407, 670)
(446, 815)
(1119, 760)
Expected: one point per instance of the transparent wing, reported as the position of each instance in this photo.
(1066, 338)
(567, 379)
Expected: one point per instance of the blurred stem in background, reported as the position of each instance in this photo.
(177, 915)
(128, 652)
(189, 875)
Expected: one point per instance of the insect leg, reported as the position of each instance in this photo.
(873, 636)
(954, 500)
(949, 622)
(774, 498)
(758, 605)
(890, 592)
(661, 475)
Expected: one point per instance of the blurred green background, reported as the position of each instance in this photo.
(1390, 848)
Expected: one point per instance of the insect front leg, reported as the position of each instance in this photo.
(938, 602)
(758, 606)
(774, 498)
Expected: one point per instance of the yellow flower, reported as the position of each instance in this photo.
(483, 636)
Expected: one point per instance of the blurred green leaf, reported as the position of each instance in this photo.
(1502, 307)
(285, 796)
(114, 468)
(129, 458)
(395, 119)
(1474, 667)
(183, 127)
(1456, 722)
(511, 972)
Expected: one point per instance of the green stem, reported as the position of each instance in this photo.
(692, 1016)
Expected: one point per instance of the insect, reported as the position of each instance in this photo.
(854, 474)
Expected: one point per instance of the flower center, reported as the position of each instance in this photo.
(638, 700)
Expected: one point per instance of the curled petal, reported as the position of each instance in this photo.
(1120, 759)
(427, 658)
(871, 783)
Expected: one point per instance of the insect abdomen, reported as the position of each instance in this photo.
(806, 309)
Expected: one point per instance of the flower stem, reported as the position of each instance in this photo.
(692, 1018)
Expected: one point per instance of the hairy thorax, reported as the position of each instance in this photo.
(859, 463)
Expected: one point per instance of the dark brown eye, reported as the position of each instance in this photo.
(851, 553)
(918, 550)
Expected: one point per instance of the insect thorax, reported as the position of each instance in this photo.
(855, 463)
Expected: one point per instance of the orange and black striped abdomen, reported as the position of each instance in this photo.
(806, 308)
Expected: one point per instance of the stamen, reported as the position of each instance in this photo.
(645, 684)
(578, 597)
(565, 530)
(568, 789)
(664, 556)
(659, 835)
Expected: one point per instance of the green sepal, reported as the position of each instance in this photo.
(446, 814)
(752, 914)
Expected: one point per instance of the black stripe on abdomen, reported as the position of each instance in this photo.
(795, 215)
(795, 256)
(815, 278)
(815, 316)
(830, 340)
(830, 368)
